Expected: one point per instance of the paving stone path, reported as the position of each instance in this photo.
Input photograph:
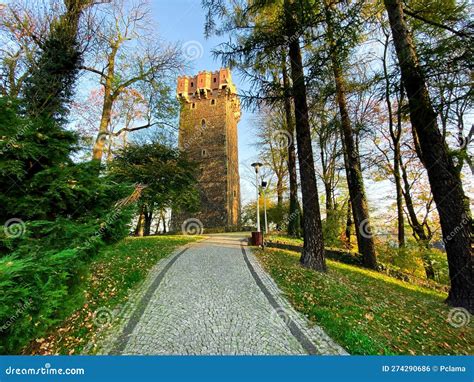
(214, 298)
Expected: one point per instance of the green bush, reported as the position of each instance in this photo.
(62, 211)
(413, 258)
(40, 278)
(333, 226)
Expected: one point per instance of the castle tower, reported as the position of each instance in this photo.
(210, 111)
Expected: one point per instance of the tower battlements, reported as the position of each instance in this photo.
(205, 84)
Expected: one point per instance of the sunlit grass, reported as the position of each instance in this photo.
(368, 312)
(284, 239)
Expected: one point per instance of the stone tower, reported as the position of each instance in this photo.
(210, 111)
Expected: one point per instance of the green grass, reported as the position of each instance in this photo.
(114, 273)
(284, 239)
(368, 312)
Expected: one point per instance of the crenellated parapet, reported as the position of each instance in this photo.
(208, 85)
(205, 84)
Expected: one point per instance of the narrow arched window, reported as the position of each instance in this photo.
(203, 124)
(213, 101)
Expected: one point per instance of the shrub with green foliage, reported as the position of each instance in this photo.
(40, 270)
(333, 226)
(56, 213)
(63, 212)
(412, 257)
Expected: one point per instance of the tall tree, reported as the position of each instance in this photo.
(266, 28)
(395, 134)
(294, 218)
(355, 180)
(124, 67)
(273, 150)
(313, 250)
(452, 204)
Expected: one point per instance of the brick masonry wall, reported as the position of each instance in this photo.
(208, 134)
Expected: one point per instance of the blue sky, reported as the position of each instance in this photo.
(183, 21)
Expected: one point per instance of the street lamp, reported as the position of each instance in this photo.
(264, 189)
(257, 166)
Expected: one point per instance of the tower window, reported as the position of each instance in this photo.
(192, 84)
(215, 79)
(213, 101)
(235, 194)
(204, 153)
(203, 124)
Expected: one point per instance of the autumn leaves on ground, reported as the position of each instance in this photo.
(364, 139)
(115, 273)
(368, 312)
(364, 311)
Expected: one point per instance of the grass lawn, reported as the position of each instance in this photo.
(283, 239)
(113, 273)
(367, 312)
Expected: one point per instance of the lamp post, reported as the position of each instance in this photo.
(257, 237)
(264, 191)
(257, 166)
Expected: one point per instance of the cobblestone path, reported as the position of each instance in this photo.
(214, 298)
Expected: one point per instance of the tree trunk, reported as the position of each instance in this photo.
(148, 220)
(313, 249)
(398, 186)
(279, 193)
(107, 106)
(348, 224)
(395, 136)
(446, 186)
(355, 181)
(139, 230)
(294, 219)
(328, 175)
(418, 230)
(157, 229)
(163, 216)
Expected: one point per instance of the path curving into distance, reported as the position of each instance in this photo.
(213, 298)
